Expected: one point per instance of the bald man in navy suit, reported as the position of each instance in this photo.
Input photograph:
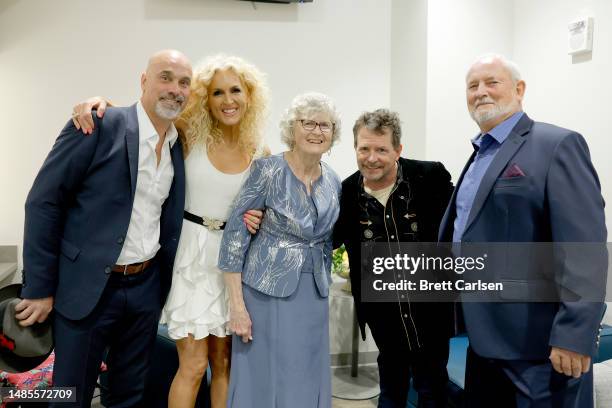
(102, 224)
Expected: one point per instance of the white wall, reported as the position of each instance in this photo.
(409, 72)
(570, 92)
(457, 33)
(56, 53)
(573, 93)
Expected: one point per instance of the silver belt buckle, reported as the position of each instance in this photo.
(125, 269)
(211, 223)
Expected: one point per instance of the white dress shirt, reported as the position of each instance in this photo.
(153, 183)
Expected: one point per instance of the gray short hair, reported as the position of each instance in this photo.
(378, 121)
(304, 105)
(510, 65)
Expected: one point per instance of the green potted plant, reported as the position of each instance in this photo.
(340, 266)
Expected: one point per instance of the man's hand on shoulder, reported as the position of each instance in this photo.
(569, 362)
(30, 311)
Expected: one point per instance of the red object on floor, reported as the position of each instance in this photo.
(39, 377)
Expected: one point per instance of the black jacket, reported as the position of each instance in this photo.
(417, 203)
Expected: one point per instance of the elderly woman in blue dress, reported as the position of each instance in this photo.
(278, 280)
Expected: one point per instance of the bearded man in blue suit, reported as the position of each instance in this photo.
(527, 182)
(102, 224)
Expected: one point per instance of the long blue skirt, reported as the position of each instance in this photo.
(287, 363)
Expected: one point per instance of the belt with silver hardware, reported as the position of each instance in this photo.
(210, 223)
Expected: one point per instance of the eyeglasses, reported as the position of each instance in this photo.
(310, 125)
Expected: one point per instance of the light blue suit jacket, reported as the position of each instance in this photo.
(272, 260)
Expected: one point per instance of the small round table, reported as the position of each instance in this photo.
(354, 382)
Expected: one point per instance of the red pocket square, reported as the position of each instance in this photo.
(513, 171)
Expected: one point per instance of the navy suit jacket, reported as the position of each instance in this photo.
(558, 200)
(78, 212)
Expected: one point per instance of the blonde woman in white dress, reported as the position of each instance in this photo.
(221, 133)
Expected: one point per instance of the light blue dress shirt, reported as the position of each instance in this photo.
(486, 147)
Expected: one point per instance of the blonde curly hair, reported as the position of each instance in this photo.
(196, 124)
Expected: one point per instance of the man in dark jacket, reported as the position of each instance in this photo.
(102, 224)
(392, 199)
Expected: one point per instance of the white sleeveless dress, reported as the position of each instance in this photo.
(198, 302)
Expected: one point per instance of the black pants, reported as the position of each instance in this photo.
(125, 322)
(523, 384)
(397, 365)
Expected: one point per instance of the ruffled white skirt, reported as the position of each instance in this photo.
(198, 302)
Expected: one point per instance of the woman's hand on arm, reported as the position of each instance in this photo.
(240, 321)
(81, 113)
(252, 220)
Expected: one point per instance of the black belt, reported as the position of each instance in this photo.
(210, 223)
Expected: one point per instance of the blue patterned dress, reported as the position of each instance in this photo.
(286, 274)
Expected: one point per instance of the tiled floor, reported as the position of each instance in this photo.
(336, 403)
(95, 403)
(343, 385)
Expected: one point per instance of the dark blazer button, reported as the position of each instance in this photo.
(120, 240)
(107, 270)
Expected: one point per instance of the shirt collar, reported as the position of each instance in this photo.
(146, 129)
(500, 132)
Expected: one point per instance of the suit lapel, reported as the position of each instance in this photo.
(176, 154)
(131, 142)
(445, 233)
(507, 150)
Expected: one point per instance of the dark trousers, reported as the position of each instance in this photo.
(523, 384)
(397, 365)
(125, 322)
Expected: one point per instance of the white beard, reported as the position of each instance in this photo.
(166, 112)
(496, 112)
